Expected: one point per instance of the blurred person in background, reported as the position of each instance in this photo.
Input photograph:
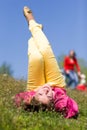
(71, 69)
(82, 86)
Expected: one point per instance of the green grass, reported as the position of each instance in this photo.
(12, 118)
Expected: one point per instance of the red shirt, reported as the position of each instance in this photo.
(69, 64)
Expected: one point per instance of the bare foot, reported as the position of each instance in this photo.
(28, 14)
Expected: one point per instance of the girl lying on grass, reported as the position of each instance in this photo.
(48, 98)
(45, 83)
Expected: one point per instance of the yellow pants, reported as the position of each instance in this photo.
(42, 66)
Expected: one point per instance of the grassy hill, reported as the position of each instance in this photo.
(12, 118)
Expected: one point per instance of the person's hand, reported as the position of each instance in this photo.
(44, 94)
(79, 74)
(67, 71)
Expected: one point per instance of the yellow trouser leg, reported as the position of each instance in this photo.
(52, 71)
(36, 76)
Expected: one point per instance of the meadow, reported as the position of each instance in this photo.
(12, 118)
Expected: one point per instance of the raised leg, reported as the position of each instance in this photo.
(52, 71)
(36, 76)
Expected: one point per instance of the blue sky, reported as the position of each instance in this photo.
(64, 21)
